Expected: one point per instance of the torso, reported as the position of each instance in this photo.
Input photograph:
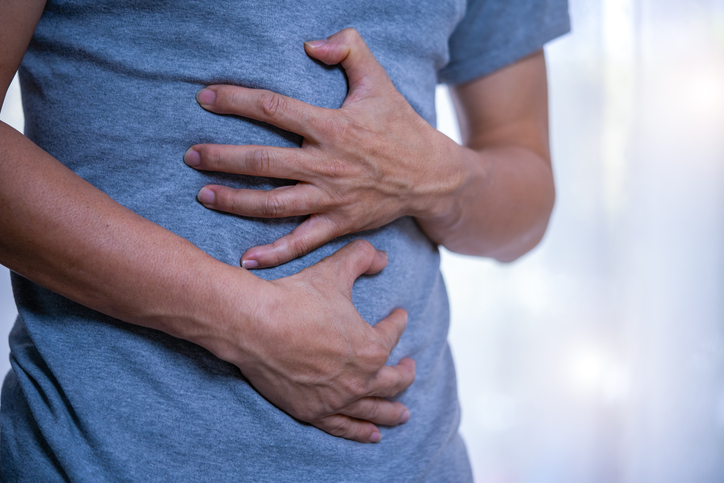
(109, 90)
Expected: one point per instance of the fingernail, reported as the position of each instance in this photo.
(206, 196)
(375, 437)
(316, 43)
(206, 96)
(383, 253)
(248, 264)
(405, 417)
(192, 158)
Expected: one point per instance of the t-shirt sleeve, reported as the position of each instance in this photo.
(495, 33)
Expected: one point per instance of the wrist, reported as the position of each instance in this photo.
(450, 213)
(450, 170)
(224, 309)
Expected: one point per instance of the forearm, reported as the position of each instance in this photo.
(500, 190)
(61, 232)
(500, 207)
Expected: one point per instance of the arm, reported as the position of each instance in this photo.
(61, 232)
(374, 160)
(501, 210)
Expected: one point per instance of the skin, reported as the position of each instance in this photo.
(375, 160)
(490, 198)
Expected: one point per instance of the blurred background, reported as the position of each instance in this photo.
(599, 357)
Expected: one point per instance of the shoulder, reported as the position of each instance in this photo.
(496, 33)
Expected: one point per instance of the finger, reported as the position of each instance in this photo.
(266, 106)
(378, 410)
(348, 428)
(390, 329)
(352, 260)
(392, 380)
(298, 200)
(266, 161)
(311, 234)
(346, 47)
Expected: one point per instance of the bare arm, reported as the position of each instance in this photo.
(502, 207)
(61, 232)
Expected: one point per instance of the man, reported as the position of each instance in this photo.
(141, 351)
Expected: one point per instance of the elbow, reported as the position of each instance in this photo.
(519, 238)
(507, 231)
(516, 250)
(529, 239)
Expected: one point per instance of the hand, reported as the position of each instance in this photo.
(359, 167)
(312, 355)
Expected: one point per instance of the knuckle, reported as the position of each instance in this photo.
(357, 388)
(379, 356)
(351, 34)
(260, 162)
(337, 128)
(339, 427)
(364, 247)
(340, 227)
(360, 388)
(309, 410)
(375, 354)
(335, 402)
(372, 411)
(300, 246)
(273, 206)
(272, 104)
(336, 168)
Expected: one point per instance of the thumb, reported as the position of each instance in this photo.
(346, 47)
(390, 329)
(352, 260)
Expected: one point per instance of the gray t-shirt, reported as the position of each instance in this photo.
(108, 89)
